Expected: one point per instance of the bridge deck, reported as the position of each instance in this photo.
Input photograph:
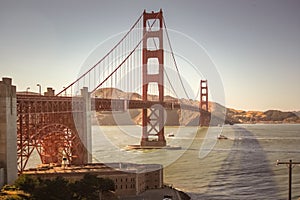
(102, 104)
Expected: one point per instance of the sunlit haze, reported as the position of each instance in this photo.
(254, 45)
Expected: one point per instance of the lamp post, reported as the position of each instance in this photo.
(28, 88)
(65, 91)
(290, 165)
(40, 92)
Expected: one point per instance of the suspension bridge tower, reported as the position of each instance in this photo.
(153, 122)
(204, 113)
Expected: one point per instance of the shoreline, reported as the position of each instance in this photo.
(160, 193)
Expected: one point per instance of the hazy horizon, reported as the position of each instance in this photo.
(254, 45)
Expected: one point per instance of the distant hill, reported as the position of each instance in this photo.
(270, 116)
(184, 117)
(178, 117)
(297, 113)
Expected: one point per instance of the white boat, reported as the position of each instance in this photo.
(222, 137)
(171, 134)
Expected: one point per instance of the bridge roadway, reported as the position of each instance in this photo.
(58, 104)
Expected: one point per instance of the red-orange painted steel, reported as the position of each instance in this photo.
(153, 122)
(46, 124)
(204, 95)
(205, 116)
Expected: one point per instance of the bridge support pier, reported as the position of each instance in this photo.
(82, 120)
(205, 118)
(8, 132)
(87, 139)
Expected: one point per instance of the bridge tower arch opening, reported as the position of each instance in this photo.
(55, 126)
(57, 142)
(153, 119)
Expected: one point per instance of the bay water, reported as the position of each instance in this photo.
(240, 167)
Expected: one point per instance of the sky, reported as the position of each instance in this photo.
(254, 44)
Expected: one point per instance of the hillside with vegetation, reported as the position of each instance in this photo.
(270, 116)
(183, 117)
(31, 188)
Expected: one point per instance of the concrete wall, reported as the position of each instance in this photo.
(82, 119)
(1, 177)
(87, 132)
(8, 130)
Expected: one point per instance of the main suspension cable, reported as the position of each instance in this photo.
(181, 82)
(83, 75)
(127, 57)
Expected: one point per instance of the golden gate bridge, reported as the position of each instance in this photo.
(58, 126)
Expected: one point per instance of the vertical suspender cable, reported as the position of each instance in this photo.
(172, 53)
(66, 88)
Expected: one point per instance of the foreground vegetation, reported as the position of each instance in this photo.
(89, 188)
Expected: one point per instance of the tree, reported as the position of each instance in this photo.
(26, 183)
(106, 184)
(86, 188)
(53, 190)
(90, 186)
